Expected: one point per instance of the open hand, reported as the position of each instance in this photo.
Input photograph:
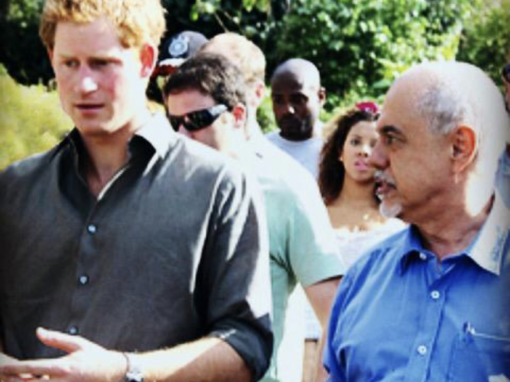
(85, 362)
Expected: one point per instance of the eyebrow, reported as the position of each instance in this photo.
(390, 129)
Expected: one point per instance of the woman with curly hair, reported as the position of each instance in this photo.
(347, 182)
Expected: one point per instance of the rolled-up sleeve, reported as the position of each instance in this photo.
(236, 273)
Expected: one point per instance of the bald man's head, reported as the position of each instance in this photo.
(301, 69)
(442, 129)
(297, 98)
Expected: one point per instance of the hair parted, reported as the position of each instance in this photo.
(331, 169)
(210, 74)
(137, 21)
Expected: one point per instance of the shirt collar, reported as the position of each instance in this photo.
(412, 247)
(487, 249)
(156, 131)
(504, 165)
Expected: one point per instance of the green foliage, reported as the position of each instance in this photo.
(360, 46)
(32, 120)
(22, 52)
(486, 39)
(265, 115)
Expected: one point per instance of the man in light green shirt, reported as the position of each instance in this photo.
(206, 101)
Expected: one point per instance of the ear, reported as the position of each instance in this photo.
(322, 95)
(239, 113)
(464, 147)
(148, 58)
(50, 55)
(260, 92)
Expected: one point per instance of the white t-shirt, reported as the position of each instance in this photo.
(306, 152)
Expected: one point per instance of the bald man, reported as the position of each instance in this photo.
(431, 303)
(298, 97)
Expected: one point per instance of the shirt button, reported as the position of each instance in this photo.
(435, 294)
(422, 350)
(423, 256)
(83, 279)
(92, 229)
(73, 330)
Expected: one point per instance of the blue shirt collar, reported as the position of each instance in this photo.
(487, 249)
(504, 163)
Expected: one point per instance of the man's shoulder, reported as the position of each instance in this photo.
(201, 170)
(283, 166)
(28, 168)
(192, 156)
(273, 135)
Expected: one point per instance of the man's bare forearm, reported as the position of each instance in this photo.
(321, 295)
(208, 359)
(321, 374)
(204, 360)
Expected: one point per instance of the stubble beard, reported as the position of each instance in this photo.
(390, 210)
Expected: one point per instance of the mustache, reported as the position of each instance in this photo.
(289, 119)
(383, 177)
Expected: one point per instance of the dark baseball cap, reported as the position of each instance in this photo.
(176, 49)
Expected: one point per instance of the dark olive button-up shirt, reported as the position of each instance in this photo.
(173, 249)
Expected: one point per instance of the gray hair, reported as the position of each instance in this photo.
(442, 108)
(459, 93)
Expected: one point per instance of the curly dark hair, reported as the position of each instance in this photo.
(331, 170)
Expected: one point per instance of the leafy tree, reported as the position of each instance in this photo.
(32, 120)
(486, 39)
(22, 52)
(361, 45)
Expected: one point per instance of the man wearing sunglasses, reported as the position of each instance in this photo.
(205, 101)
(250, 59)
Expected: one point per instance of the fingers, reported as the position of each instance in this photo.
(62, 341)
(25, 370)
(22, 378)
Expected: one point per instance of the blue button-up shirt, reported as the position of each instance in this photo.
(503, 177)
(400, 315)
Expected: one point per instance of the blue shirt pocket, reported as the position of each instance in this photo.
(478, 355)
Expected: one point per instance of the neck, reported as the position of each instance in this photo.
(296, 138)
(107, 154)
(356, 193)
(237, 146)
(253, 129)
(451, 232)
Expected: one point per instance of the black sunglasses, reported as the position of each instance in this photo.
(197, 120)
(505, 72)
